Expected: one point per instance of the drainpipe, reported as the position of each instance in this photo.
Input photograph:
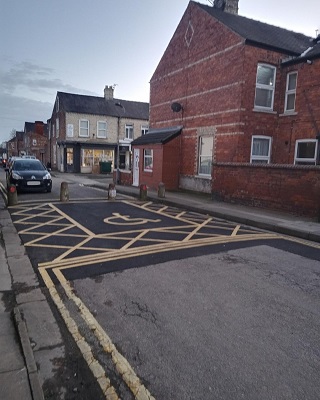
(118, 154)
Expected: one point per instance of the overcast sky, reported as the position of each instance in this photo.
(79, 46)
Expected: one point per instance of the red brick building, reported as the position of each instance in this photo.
(35, 140)
(247, 97)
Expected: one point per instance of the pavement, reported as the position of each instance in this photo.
(21, 299)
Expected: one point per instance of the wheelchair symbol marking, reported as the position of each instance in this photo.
(118, 219)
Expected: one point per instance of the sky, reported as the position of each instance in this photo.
(80, 46)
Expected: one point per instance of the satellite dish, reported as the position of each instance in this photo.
(176, 107)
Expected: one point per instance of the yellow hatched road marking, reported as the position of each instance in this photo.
(197, 229)
(73, 221)
(151, 249)
(39, 239)
(235, 231)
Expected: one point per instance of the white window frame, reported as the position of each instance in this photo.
(311, 161)
(147, 157)
(144, 129)
(259, 158)
(290, 92)
(262, 86)
(101, 132)
(207, 156)
(128, 128)
(81, 128)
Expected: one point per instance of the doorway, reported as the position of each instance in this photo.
(136, 157)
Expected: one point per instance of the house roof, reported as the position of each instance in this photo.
(261, 34)
(31, 127)
(158, 136)
(312, 52)
(82, 104)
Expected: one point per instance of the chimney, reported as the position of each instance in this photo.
(230, 6)
(39, 125)
(108, 92)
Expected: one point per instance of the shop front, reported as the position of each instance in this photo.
(85, 158)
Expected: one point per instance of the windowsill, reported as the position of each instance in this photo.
(288, 114)
(203, 176)
(264, 111)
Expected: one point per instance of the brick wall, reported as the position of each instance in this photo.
(279, 187)
(151, 178)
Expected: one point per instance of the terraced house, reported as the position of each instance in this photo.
(241, 99)
(91, 134)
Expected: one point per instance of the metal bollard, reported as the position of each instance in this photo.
(161, 190)
(112, 192)
(64, 191)
(12, 195)
(143, 192)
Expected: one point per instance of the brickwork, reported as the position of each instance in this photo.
(211, 72)
(279, 187)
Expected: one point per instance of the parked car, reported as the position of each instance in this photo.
(29, 175)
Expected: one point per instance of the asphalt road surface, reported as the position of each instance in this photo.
(169, 304)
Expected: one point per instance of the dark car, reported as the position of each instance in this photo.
(29, 175)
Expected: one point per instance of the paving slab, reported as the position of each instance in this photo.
(12, 358)
(15, 385)
(42, 327)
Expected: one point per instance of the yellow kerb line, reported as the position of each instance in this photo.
(121, 364)
(94, 365)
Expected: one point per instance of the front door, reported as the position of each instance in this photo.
(69, 159)
(135, 178)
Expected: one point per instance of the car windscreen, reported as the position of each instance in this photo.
(28, 165)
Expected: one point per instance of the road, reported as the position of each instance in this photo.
(170, 304)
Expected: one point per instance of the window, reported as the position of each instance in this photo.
(306, 152)
(265, 85)
(83, 128)
(291, 92)
(57, 127)
(129, 131)
(70, 130)
(102, 129)
(205, 155)
(144, 129)
(148, 160)
(260, 150)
